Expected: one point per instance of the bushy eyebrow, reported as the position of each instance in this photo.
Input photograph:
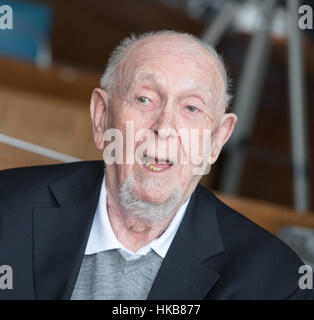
(134, 79)
(200, 93)
(195, 88)
(145, 77)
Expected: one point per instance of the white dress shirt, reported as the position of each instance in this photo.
(103, 238)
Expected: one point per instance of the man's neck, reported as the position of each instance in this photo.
(130, 230)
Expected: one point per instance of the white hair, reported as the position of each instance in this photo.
(110, 77)
(149, 212)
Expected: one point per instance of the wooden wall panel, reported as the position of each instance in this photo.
(57, 81)
(268, 215)
(57, 124)
(11, 157)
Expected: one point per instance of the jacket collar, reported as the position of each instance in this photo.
(60, 234)
(183, 275)
(60, 237)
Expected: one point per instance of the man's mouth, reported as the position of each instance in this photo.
(154, 166)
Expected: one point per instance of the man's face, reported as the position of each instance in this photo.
(164, 86)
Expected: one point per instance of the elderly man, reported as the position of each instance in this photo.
(142, 227)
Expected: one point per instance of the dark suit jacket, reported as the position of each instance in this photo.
(46, 215)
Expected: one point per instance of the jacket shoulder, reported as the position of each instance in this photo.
(25, 182)
(45, 172)
(262, 264)
(236, 223)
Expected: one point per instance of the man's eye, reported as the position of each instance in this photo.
(143, 100)
(192, 109)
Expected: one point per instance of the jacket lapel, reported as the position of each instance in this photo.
(183, 275)
(60, 234)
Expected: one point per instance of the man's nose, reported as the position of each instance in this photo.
(165, 124)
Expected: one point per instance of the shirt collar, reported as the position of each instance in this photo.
(103, 238)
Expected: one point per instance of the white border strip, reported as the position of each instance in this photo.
(37, 149)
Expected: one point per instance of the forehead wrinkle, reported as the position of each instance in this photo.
(192, 86)
(208, 66)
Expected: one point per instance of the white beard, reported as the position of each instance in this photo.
(147, 211)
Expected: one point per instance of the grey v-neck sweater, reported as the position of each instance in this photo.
(108, 276)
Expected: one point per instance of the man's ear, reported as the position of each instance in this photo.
(99, 115)
(222, 134)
